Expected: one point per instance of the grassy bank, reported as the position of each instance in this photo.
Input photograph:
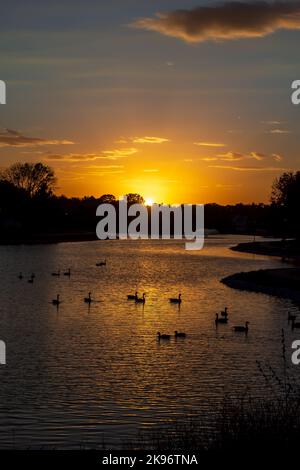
(283, 283)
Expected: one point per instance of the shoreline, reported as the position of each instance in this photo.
(50, 239)
(287, 250)
(284, 283)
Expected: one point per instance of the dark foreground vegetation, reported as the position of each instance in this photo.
(31, 212)
(247, 426)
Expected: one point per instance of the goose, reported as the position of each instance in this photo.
(20, 276)
(175, 300)
(101, 263)
(180, 335)
(220, 320)
(31, 279)
(242, 329)
(291, 317)
(295, 324)
(141, 300)
(224, 313)
(56, 301)
(88, 299)
(159, 336)
(132, 297)
(56, 273)
(67, 273)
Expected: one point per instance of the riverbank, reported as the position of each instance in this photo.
(49, 238)
(288, 250)
(284, 283)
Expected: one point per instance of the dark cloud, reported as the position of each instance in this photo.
(225, 21)
(12, 138)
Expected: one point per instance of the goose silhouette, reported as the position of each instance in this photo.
(218, 320)
(67, 273)
(160, 336)
(141, 300)
(175, 300)
(101, 263)
(88, 299)
(56, 301)
(180, 335)
(224, 313)
(132, 296)
(242, 329)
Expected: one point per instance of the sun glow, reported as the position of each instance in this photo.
(149, 201)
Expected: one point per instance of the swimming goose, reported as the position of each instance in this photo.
(180, 335)
(67, 273)
(132, 297)
(175, 300)
(20, 276)
(31, 279)
(56, 273)
(220, 320)
(242, 329)
(101, 263)
(224, 313)
(141, 300)
(291, 317)
(88, 299)
(56, 301)
(159, 336)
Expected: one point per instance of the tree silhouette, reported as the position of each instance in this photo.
(134, 198)
(35, 179)
(286, 196)
(107, 199)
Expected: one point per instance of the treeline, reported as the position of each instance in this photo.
(28, 206)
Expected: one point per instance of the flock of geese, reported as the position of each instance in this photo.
(222, 319)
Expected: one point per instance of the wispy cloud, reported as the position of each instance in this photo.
(277, 157)
(230, 20)
(272, 123)
(236, 156)
(151, 170)
(119, 153)
(209, 144)
(149, 140)
(73, 157)
(12, 138)
(279, 131)
(249, 168)
(83, 157)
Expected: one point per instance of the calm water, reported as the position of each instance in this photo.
(84, 375)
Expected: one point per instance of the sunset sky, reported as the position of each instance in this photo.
(190, 106)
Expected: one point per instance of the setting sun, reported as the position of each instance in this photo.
(148, 201)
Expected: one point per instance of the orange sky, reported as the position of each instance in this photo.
(116, 104)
